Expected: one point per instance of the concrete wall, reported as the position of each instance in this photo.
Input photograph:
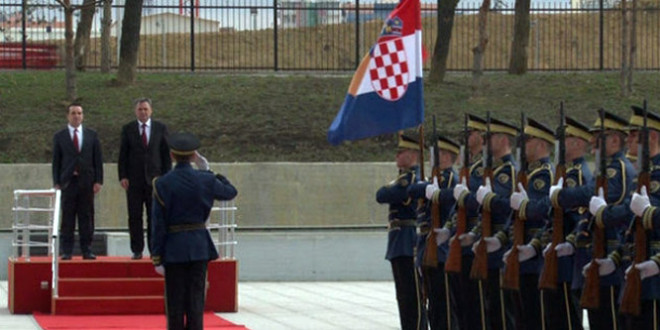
(270, 194)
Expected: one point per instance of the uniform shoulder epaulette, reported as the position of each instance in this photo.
(542, 167)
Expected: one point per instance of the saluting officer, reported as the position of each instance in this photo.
(532, 204)
(620, 175)
(562, 307)
(402, 235)
(494, 198)
(181, 245)
(437, 194)
(645, 206)
(465, 291)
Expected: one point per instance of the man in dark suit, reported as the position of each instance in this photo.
(78, 172)
(143, 155)
(181, 245)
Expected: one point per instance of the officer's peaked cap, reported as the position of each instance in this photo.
(183, 143)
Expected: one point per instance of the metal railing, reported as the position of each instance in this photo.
(222, 225)
(333, 35)
(37, 212)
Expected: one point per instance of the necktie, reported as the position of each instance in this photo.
(75, 140)
(144, 135)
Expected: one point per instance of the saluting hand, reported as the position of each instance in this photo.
(201, 161)
(483, 191)
(640, 202)
(597, 202)
(432, 188)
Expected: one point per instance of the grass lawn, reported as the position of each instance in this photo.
(252, 118)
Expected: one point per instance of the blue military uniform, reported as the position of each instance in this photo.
(180, 241)
(497, 203)
(465, 291)
(613, 219)
(401, 240)
(434, 278)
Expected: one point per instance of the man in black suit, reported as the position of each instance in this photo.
(78, 172)
(144, 154)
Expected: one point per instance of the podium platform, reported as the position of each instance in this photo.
(107, 285)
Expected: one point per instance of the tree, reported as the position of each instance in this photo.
(628, 46)
(480, 49)
(130, 42)
(518, 59)
(446, 12)
(70, 76)
(106, 21)
(83, 32)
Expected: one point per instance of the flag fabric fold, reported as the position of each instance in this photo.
(386, 92)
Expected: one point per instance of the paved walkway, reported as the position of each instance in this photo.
(288, 305)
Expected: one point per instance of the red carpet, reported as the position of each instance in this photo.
(90, 322)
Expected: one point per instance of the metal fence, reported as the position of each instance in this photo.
(332, 35)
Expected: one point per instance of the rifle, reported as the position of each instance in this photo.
(511, 278)
(453, 263)
(479, 269)
(632, 290)
(590, 298)
(431, 252)
(549, 277)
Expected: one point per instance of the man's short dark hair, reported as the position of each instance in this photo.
(72, 104)
(142, 100)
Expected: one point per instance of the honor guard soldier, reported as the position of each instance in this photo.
(402, 234)
(645, 205)
(607, 217)
(181, 245)
(533, 209)
(464, 290)
(562, 306)
(494, 198)
(437, 194)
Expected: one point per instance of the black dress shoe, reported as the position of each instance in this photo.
(89, 256)
(136, 256)
(66, 256)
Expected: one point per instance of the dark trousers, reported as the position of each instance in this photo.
(77, 203)
(495, 311)
(648, 319)
(559, 308)
(185, 295)
(436, 288)
(526, 303)
(465, 295)
(607, 315)
(138, 197)
(408, 294)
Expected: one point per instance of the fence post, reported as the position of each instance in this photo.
(600, 32)
(357, 33)
(275, 48)
(192, 35)
(24, 43)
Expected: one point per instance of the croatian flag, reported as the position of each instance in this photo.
(386, 93)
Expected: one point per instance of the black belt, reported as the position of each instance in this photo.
(394, 224)
(185, 227)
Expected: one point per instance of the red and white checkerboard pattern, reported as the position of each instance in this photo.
(388, 69)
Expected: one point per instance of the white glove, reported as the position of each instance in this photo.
(597, 202)
(506, 255)
(201, 162)
(441, 235)
(646, 269)
(518, 197)
(605, 267)
(564, 249)
(467, 239)
(555, 187)
(639, 203)
(460, 188)
(546, 249)
(160, 270)
(492, 244)
(526, 252)
(483, 191)
(432, 188)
